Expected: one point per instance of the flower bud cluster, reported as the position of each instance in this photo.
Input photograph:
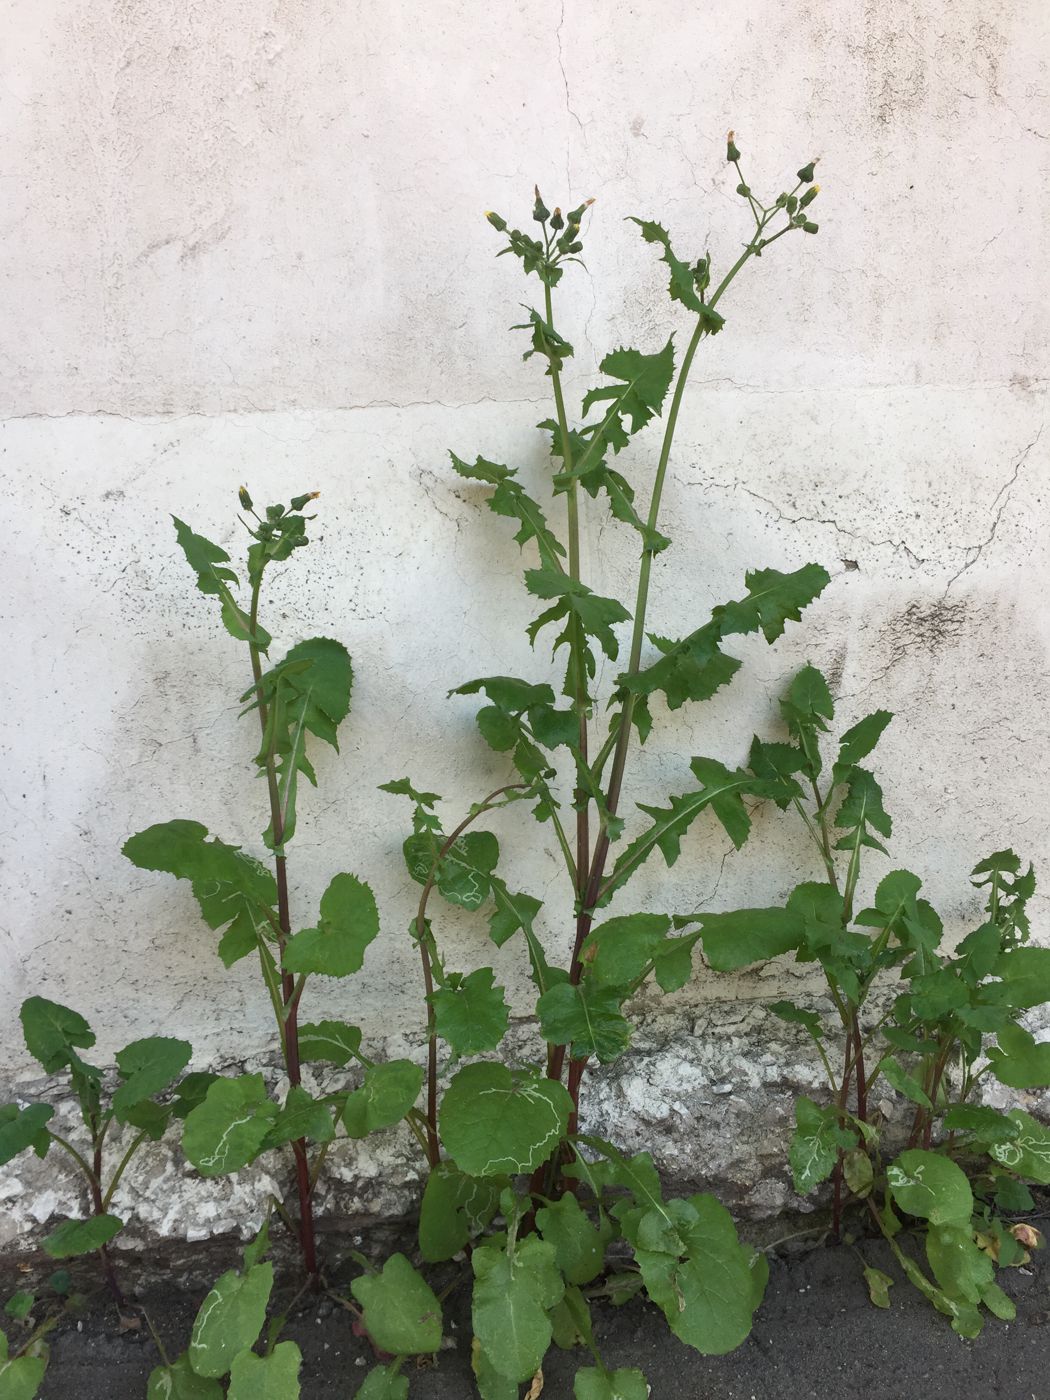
(560, 238)
(792, 204)
(282, 528)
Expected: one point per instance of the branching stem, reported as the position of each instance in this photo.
(288, 1022)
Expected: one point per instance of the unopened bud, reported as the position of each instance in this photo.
(574, 248)
(791, 203)
(745, 190)
(731, 149)
(497, 223)
(299, 501)
(575, 216)
(807, 227)
(809, 196)
(557, 221)
(540, 211)
(806, 173)
(244, 498)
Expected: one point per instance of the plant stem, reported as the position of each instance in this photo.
(847, 1074)
(288, 1024)
(136, 1143)
(81, 1162)
(858, 1060)
(433, 1146)
(623, 736)
(818, 841)
(92, 1175)
(156, 1338)
(592, 886)
(581, 700)
(99, 1206)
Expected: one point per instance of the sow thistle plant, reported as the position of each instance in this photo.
(544, 1218)
(302, 698)
(54, 1036)
(503, 1143)
(910, 1012)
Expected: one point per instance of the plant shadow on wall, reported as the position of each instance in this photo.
(539, 1219)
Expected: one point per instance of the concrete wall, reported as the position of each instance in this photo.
(243, 242)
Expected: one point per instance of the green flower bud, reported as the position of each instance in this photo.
(575, 216)
(810, 228)
(745, 190)
(244, 498)
(731, 149)
(806, 173)
(299, 501)
(575, 248)
(809, 196)
(557, 221)
(791, 203)
(782, 199)
(500, 225)
(540, 211)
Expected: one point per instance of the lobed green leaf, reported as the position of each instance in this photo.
(228, 1129)
(388, 1092)
(230, 1319)
(473, 1016)
(233, 890)
(74, 1237)
(24, 1127)
(146, 1067)
(349, 921)
(274, 1376)
(495, 1121)
(401, 1314)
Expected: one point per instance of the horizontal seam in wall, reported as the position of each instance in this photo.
(1035, 385)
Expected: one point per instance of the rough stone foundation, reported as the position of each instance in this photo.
(712, 1100)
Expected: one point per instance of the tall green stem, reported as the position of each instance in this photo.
(591, 883)
(580, 698)
(623, 735)
(288, 1023)
(433, 1147)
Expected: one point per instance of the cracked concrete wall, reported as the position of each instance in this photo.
(244, 243)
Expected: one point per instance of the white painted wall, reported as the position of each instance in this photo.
(243, 242)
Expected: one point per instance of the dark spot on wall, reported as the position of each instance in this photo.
(926, 627)
(894, 62)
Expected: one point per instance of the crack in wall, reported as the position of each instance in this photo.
(565, 82)
(1003, 496)
(287, 411)
(898, 546)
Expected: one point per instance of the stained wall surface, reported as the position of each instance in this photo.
(244, 243)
